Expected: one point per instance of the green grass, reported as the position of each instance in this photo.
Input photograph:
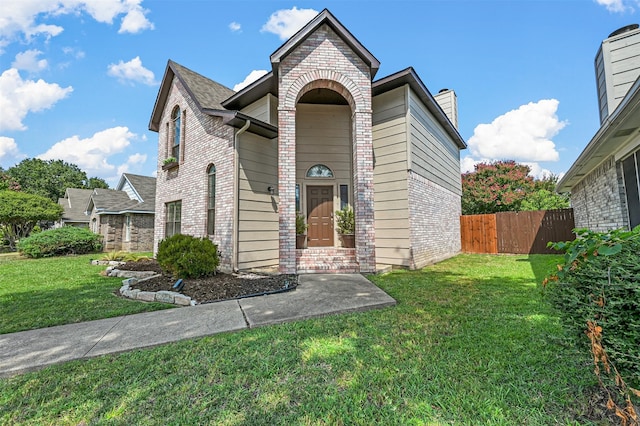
(36, 293)
(471, 342)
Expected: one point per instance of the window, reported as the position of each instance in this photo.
(127, 228)
(298, 209)
(344, 196)
(211, 205)
(319, 170)
(631, 172)
(176, 119)
(174, 213)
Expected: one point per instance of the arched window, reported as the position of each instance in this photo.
(211, 203)
(319, 171)
(176, 117)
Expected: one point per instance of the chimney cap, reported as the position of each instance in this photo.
(624, 30)
(443, 90)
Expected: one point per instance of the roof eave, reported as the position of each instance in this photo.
(601, 140)
(410, 77)
(237, 119)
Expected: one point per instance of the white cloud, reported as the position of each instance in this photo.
(28, 61)
(133, 160)
(619, 6)
(28, 18)
(285, 23)
(135, 21)
(132, 71)
(536, 171)
(76, 53)
(92, 154)
(8, 148)
(253, 76)
(18, 97)
(523, 134)
(234, 26)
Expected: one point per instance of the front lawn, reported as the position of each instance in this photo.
(471, 342)
(36, 293)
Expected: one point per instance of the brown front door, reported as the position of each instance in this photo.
(320, 216)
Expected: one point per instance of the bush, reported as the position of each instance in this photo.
(185, 256)
(61, 241)
(597, 289)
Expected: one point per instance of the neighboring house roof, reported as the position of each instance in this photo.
(74, 204)
(135, 194)
(410, 77)
(617, 130)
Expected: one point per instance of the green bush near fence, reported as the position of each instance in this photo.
(598, 285)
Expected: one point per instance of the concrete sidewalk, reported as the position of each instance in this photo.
(316, 295)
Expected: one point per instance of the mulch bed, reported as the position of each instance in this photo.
(214, 288)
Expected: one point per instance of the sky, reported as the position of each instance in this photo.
(79, 79)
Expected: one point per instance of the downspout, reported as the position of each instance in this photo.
(236, 192)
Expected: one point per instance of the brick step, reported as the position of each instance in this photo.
(326, 260)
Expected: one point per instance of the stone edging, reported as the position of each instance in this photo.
(154, 296)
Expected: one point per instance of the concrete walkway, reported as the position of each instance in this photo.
(316, 295)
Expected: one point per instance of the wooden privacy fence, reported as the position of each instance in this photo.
(516, 232)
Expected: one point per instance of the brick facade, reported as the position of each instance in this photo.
(598, 201)
(434, 222)
(205, 141)
(324, 60)
(112, 229)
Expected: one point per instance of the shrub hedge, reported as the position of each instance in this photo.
(599, 283)
(184, 256)
(60, 241)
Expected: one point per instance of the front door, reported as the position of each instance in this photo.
(320, 216)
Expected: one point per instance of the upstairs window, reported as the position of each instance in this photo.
(211, 203)
(176, 118)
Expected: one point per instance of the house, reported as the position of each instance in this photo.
(604, 181)
(74, 204)
(315, 134)
(124, 216)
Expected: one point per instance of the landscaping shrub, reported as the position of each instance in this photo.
(597, 289)
(61, 241)
(184, 256)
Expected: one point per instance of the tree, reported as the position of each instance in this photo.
(96, 182)
(20, 212)
(506, 186)
(51, 178)
(544, 196)
(7, 182)
(495, 187)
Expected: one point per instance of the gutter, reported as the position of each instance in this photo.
(236, 194)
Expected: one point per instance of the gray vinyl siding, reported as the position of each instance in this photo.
(390, 178)
(258, 218)
(434, 155)
(264, 109)
(323, 136)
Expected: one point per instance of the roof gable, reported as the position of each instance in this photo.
(206, 93)
(325, 17)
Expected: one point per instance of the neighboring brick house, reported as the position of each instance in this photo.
(604, 181)
(124, 216)
(313, 135)
(74, 204)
